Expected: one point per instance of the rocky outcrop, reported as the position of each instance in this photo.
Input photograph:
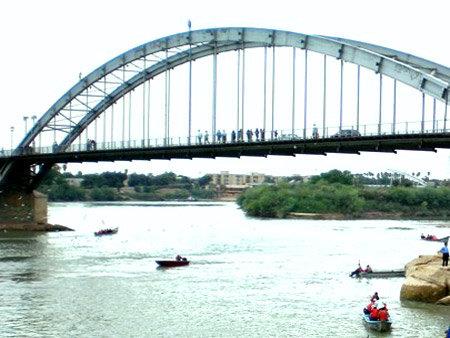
(427, 281)
(444, 301)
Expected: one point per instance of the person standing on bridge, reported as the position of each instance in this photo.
(233, 136)
(445, 254)
(219, 136)
(257, 134)
(249, 135)
(199, 137)
(206, 137)
(224, 136)
(315, 132)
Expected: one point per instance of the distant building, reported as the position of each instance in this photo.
(237, 180)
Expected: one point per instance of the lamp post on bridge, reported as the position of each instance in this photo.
(12, 137)
(25, 119)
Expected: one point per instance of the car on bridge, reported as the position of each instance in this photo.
(346, 133)
(288, 137)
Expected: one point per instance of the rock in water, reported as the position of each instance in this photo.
(426, 281)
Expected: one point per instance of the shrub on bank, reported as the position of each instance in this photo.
(324, 197)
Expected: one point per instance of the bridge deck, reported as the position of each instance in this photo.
(352, 145)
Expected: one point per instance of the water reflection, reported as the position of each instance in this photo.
(27, 276)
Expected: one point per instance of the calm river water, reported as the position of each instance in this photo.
(248, 277)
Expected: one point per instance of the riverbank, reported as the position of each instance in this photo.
(32, 226)
(335, 200)
(363, 216)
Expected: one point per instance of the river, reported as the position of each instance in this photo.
(248, 277)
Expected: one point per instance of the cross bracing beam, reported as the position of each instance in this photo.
(423, 75)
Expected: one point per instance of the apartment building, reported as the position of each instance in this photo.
(237, 180)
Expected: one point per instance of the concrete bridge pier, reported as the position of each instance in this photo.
(21, 210)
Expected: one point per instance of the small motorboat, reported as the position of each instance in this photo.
(382, 274)
(106, 232)
(377, 325)
(172, 263)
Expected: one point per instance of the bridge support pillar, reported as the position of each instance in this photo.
(20, 210)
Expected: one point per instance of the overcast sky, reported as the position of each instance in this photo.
(46, 44)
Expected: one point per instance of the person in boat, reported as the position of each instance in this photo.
(374, 314)
(445, 254)
(383, 313)
(357, 271)
(422, 236)
(368, 269)
(178, 258)
(184, 259)
(368, 308)
(375, 297)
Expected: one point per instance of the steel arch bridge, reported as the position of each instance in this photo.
(70, 128)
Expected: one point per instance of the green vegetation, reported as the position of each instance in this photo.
(109, 186)
(341, 192)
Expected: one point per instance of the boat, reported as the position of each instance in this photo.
(106, 232)
(382, 274)
(172, 263)
(435, 239)
(377, 325)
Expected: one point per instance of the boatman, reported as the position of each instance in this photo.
(444, 252)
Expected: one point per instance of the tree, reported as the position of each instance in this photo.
(204, 180)
(53, 177)
(165, 179)
(113, 179)
(335, 176)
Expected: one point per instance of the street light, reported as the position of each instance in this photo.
(12, 137)
(25, 119)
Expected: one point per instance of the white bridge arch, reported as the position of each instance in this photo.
(111, 81)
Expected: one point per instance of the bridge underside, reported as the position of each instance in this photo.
(352, 145)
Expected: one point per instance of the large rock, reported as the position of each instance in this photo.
(444, 301)
(426, 281)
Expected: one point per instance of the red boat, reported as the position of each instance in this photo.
(170, 264)
(435, 239)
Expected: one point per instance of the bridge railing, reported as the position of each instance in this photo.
(278, 135)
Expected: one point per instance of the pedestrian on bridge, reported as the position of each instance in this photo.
(315, 132)
(240, 135)
(233, 136)
(249, 135)
(257, 134)
(219, 136)
(224, 136)
(206, 137)
(199, 137)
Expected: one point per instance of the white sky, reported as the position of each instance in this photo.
(46, 44)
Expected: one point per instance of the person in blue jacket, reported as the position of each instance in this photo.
(444, 252)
